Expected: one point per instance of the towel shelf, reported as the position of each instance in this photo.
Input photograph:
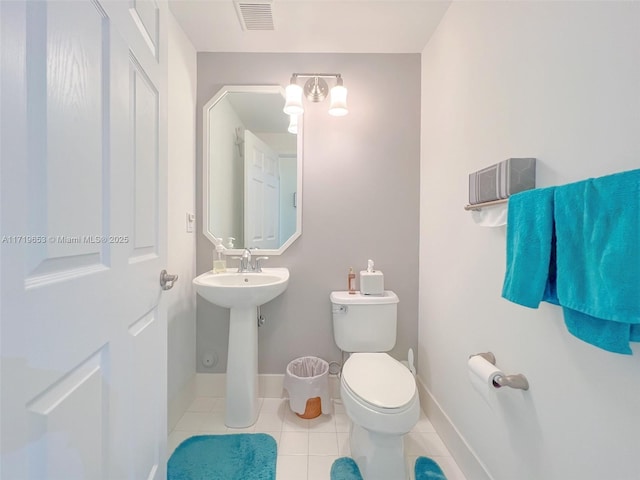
(479, 206)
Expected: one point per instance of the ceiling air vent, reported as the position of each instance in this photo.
(255, 15)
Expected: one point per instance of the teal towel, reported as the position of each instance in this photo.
(610, 336)
(530, 269)
(598, 259)
(578, 246)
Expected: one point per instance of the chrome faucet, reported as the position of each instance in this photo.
(245, 261)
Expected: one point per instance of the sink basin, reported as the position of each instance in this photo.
(233, 289)
(242, 293)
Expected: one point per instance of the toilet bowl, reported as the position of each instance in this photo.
(378, 392)
(381, 399)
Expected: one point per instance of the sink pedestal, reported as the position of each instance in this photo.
(242, 368)
(242, 292)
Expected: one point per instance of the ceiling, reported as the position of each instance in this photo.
(356, 26)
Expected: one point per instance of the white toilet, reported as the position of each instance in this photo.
(379, 393)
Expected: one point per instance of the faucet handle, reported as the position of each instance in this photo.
(259, 263)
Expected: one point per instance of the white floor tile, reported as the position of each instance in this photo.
(176, 438)
(320, 467)
(344, 449)
(293, 423)
(411, 463)
(269, 421)
(191, 421)
(294, 443)
(274, 405)
(323, 423)
(249, 429)
(424, 443)
(219, 406)
(203, 404)
(449, 468)
(276, 436)
(213, 422)
(343, 424)
(307, 448)
(323, 443)
(423, 425)
(291, 467)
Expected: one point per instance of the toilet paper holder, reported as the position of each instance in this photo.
(518, 381)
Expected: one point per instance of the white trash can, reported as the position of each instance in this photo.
(307, 382)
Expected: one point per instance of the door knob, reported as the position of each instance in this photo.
(166, 280)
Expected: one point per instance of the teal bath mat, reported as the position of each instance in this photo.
(345, 468)
(427, 469)
(243, 456)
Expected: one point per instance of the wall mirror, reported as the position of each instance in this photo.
(252, 170)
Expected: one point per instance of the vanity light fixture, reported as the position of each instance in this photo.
(316, 89)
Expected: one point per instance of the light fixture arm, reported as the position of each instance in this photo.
(312, 75)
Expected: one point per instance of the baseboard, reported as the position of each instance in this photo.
(177, 406)
(460, 450)
(269, 385)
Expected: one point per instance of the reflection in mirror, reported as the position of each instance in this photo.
(252, 170)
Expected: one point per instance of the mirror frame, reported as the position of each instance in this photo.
(205, 166)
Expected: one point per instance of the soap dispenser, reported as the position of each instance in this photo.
(219, 265)
(351, 281)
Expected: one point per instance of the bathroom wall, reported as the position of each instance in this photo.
(360, 200)
(181, 245)
(559, 81)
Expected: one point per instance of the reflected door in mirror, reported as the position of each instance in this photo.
(262, 194)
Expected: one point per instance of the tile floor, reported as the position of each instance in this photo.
(307, 448)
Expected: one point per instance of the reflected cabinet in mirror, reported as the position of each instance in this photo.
(252, 171)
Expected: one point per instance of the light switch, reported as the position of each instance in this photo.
(191, 220)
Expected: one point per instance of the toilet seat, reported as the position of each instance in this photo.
(379, 381)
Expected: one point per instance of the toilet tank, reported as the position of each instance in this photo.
(364, 323)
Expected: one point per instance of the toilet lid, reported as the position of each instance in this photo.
(379, 379)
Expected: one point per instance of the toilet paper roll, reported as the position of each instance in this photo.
(493, 216)
(482, 374)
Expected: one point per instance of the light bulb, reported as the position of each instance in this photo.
(293, 124)
(338, 106)
(293, 104)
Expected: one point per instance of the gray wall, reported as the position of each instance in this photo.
(361, 200)
(559, 81)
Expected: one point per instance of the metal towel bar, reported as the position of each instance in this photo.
(479, 206)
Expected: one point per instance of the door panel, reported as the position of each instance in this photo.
(83, 229)
(144, 335)
(145, 15)
(68, 419)
(145, 128)
(66, 84)
(262, 194)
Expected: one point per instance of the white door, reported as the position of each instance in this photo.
(261, 194)
(83, 239)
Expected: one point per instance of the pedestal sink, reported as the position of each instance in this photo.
(242, 293)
